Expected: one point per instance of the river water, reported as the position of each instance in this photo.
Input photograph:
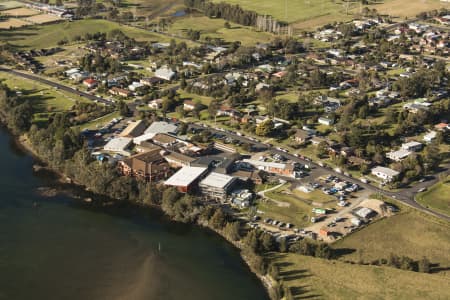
(61, 248)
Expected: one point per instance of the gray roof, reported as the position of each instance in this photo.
(162, 127)
(185, 176)
(217, 180)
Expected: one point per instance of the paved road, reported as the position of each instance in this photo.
(56, 85)
(407, 196)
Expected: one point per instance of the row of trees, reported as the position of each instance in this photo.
(225, 11)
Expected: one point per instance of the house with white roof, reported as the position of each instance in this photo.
(165, 73)
(384, 173)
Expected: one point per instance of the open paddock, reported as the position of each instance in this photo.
(20, 12)
(13, 23)
(10, 5)
(43, 19)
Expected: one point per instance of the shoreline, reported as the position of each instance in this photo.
(23, 143)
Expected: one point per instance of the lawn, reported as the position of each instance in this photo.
(315, 196)
(97, 123)
(409, 233)
(295, 212)
(44, 36)
(43, 98)
(437, 197)
(214, 28)
(315, 278)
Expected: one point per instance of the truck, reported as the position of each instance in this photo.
(319, 211)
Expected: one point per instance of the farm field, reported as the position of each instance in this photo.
(214, 28)
(42, 19)
(409, 233)
(315, 278)
(297, 10)
(4, 5)
(407, 8)
(437, 197)
(49, 35)
(20, 12)
(12, 23)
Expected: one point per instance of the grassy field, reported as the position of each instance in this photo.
(95, 124)
(44, 98)
(4, 5)
(296, 10)
(20, 12)
(289, 208)
(315, 278)
(437, 197)
(410, 233)
(12, 23)
(49, 35)
(214, 28)
(407, 8)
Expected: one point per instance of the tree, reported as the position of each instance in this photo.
(252, 240)
(123, 109)
(265, 128)
(218, 219)
(268, 242)
(232, 231)
(424, 265)
(323, 251)
(322, 149)
(274, 271)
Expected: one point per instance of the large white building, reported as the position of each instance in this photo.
(165, 73)
(119, 145)
(398, 155)
(217, 186)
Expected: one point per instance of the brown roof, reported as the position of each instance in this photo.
(180, 157)
(143, 162)
(163, 138)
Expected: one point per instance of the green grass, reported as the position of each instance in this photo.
(95, 124)
(409, 233)
(45, 36)
(315, 278)
(296, 213)
(437, 197)
(43, 98)
(297, 10)
(315, 196)
(194, 97)
(4, 5)
(214, 28)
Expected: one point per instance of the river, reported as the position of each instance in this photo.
(62, 248)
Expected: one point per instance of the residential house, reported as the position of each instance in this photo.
(430, 136)
(301, 136)
(412, 146)
(188, 105)
(398, 155)
(120, 92)
(165, 73)
(384, 173)
(90, 83)
(155, 103)
(325, 121)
